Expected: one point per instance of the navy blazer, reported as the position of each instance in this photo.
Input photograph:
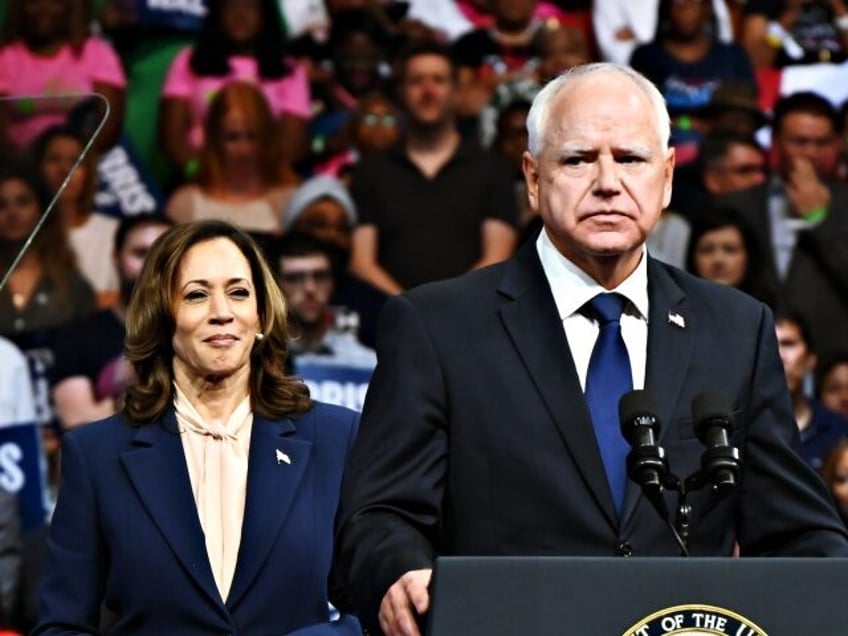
(125, 532)
(476, 438)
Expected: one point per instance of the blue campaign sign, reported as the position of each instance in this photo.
(335, 384)
(184, 15)
(125, 187)
(20, 471)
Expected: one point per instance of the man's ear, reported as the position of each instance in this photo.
(668, 174)
(530, 167)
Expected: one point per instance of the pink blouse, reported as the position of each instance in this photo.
(24, 73)
(289, 94)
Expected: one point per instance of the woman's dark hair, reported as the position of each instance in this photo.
(150, 325)
(753, 282)
(212, 49)
(51, 244)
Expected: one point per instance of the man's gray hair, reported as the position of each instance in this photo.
(537, 118)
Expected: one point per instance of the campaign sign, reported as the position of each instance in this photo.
(125, 188)
(20, 471)
(335, 384)
(183, 15)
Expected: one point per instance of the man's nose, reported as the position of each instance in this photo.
(607, 177)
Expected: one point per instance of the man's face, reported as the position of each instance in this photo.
(603, 175)
(130, 258)
(428, 90)
(743, 167)
(797, 358)
(807, 137)
(307, 284)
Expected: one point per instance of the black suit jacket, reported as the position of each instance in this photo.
(476, 438)
(816, 285)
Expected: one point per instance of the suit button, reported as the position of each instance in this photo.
(625, 549)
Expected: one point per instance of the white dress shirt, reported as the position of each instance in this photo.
(572, 288)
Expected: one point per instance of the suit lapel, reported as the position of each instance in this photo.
(276, 467)
(532, 321)
(670, 341)
(157, 468)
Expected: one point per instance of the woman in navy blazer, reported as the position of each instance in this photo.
(206, 506)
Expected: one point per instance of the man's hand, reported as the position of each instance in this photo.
(805, 191)
(407, 593)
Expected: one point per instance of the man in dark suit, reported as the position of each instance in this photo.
(800, 219)
(476, 435)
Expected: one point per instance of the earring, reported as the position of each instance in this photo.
(260, 336)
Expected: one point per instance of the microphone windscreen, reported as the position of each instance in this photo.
(635, 404)
(711, 404)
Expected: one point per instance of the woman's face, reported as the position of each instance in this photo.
(720, 256)
(19, 210)
(834, 389)
(215, 313)
(239, 140)
(358, 60)
(839, 486)
(326, 220)
(241, 20)
(45, 19)
(377, 127)
(59, 157)
(689, 17)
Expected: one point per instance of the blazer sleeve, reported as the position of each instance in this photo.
(785, 508)
(347, 625)
(72, 589)
(388, 522)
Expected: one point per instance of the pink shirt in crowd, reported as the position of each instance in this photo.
(289, 94)
(24, 73)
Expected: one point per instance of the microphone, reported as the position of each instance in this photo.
(720, 463)
(646, 463)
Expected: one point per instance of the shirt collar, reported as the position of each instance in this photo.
(572, 287)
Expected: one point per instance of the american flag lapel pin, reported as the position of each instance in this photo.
(676, 320)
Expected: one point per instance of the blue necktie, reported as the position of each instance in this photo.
(607, 379)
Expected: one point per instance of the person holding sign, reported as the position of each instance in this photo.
(207, 505)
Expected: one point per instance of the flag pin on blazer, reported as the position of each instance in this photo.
(677, 320)
(282, 458)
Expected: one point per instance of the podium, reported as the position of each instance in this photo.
(588, 596)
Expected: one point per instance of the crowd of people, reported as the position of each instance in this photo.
(346, 152)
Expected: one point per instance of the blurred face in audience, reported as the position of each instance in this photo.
(239, 140)
(241, 19)
(19, 210)
(807, 137)
(834, 389)
(325, 219)
(720, 256)
(513, 13)
(743, 167)
(45, 19)
(688, 17)
(376, 126)
(59, 157)
(130, 258)
(798, 360)
(307, 284)
(428, 90)
(562, 48)
(357, 61)
(839, 482)
(512, 136)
